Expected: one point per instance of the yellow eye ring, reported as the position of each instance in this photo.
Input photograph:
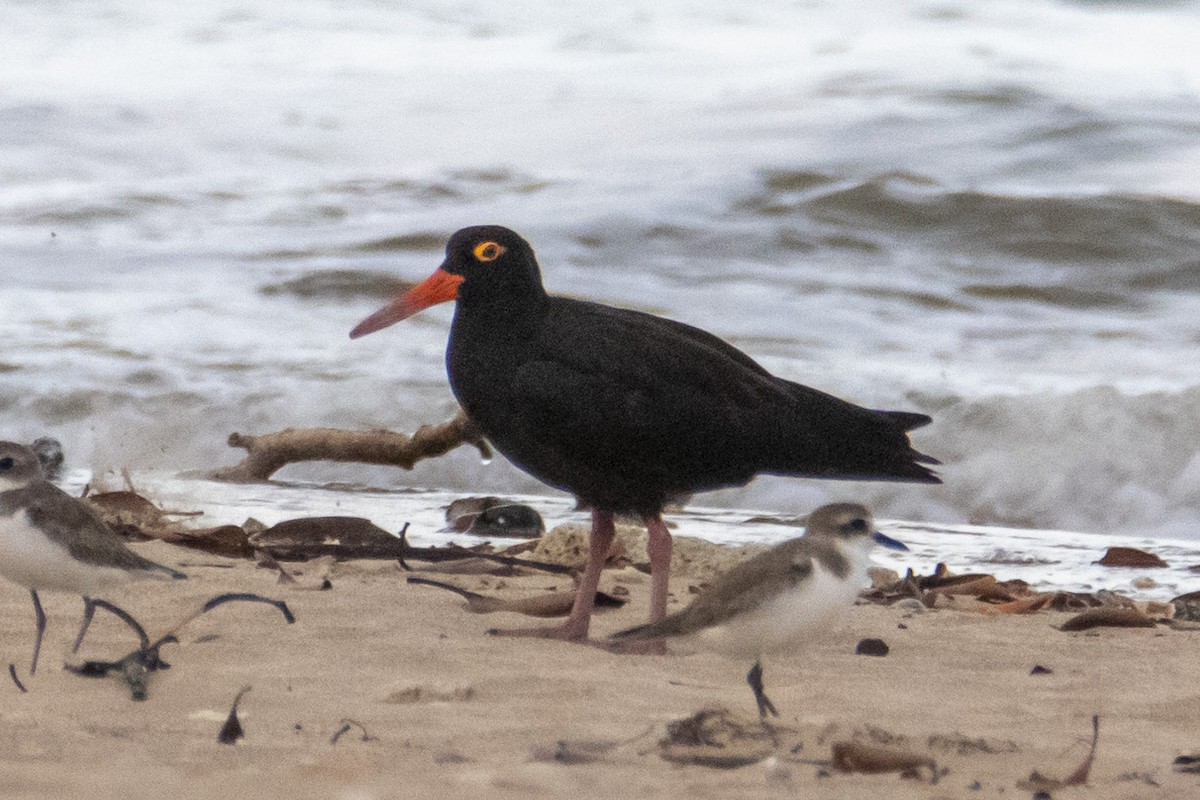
(489, 251)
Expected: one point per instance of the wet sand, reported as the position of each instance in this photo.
(454, 712)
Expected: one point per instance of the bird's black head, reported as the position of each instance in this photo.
(483, 249)
(484, 263)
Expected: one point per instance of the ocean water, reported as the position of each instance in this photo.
(988, 212)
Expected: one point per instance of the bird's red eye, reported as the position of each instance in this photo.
(488, 251)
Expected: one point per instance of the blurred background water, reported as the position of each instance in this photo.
(989, 212)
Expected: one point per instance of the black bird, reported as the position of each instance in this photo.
(627, 410)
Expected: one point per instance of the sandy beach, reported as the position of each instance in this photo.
(453, 712)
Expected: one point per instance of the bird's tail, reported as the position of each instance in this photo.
(907, 420)
(912, 470)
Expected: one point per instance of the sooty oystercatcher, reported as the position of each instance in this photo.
(627, 410)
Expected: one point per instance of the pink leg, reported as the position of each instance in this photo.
(659, 548)
(576, 626)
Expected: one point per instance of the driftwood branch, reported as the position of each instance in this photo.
(270, 452)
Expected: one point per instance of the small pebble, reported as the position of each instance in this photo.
(872, 647)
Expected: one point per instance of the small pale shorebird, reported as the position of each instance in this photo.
(54, 542)
(774, 601)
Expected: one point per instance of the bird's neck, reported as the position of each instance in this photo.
(845, 558)
(499, 314)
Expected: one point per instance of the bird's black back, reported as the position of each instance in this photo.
(627, 410)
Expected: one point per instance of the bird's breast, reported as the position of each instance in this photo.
(31, 559)
(800, 613)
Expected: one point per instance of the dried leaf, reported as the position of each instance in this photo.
(854, 756)
(232, 730)
(224, 540)
(1108, 617)
(716, 738)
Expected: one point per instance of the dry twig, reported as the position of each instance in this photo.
(270, 452)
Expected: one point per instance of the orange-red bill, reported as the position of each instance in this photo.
(439, 287)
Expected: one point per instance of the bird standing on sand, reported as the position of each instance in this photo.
(55, 542)
(774, 601)
(626, 410)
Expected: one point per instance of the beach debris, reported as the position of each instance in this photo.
(1130, 557)
(1187, 763)
(344, 538)
(133, 516)
(232, 730)
(306, 538)
(717, 738)
(137, 518)
(974, 585)
(230, 541)
(12, 673)
(856, 756)
(871, 647)
(1038, 669)
(270, 452)
(551, 604)
(347, 725)
(492, 516)
(985, 594)
(135, 668)
(1040, 783)
(128, 513)
(1187, 607)
(1108, 617)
